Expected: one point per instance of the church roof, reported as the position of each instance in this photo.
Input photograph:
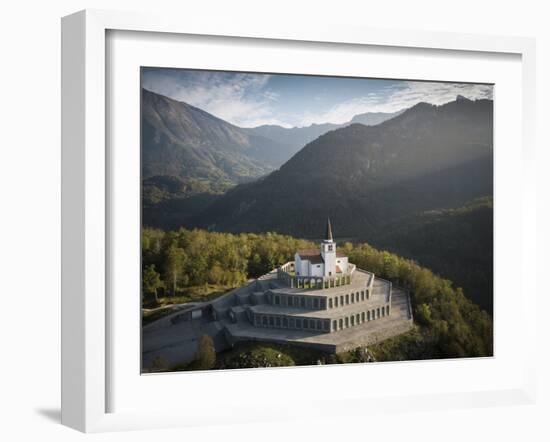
(315, 256)
(311, 255)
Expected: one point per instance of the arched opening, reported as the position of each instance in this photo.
(341, 324)
(334, 325)
(330, 303)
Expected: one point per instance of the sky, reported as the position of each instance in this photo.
(251, 99)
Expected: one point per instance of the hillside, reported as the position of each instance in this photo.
(455, 243)
(183, 141)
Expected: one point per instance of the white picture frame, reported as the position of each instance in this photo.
(86, 356)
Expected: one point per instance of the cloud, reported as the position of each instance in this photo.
(242, 99)
(396, 97)
(249, 100)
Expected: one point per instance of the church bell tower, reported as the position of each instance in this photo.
(328, 252)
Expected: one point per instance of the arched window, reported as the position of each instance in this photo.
(368, 315)
(330, 303)
(264, 320)
(387, 310)
(363, 317)
(277, 300)
(347, 322)
(352, 321)
(335, 325)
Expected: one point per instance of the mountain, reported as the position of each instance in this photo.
(367, 177)
(183, 141)
(406, 184)
(294, 138)
(189, 153)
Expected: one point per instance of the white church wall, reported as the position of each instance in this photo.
(316, 269)
(343, 263)
(330, 259)
(301, 265)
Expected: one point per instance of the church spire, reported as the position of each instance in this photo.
(328, 235)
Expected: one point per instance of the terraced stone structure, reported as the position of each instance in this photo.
(319, 300)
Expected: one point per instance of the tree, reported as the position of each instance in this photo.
(175, 261)
(151, 281)
(205, 357)
(424, 314)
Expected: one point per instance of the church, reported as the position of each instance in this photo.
(319, 300)
(325, 261)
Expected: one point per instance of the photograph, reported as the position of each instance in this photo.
(307, 220)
